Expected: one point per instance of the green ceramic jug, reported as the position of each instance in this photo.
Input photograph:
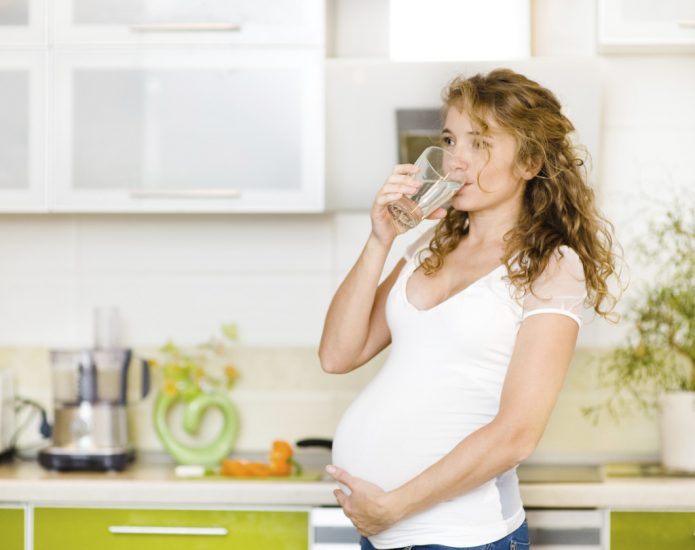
(206, 455)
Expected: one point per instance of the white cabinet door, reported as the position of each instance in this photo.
(23, 21)
(22, 127)
(644, 25)
(187, 21)
(187, 130)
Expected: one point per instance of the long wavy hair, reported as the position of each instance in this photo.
(558, 204)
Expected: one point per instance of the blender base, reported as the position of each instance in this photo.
(67, 462)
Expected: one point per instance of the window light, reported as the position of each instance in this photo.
(459, 30)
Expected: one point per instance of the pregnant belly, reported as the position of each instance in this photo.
(392, 433)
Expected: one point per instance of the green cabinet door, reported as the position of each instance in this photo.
(12, 528)
(652, 530)
(149, 529)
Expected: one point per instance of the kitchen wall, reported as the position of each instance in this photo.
(179, 277)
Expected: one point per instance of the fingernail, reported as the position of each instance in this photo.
(331, 469)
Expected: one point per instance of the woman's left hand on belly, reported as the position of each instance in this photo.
(367, 506)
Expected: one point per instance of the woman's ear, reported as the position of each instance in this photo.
(529, 169)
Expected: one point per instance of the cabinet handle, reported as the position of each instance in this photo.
(146, 530)
(186, 27)
(185, 194)
(687, 23)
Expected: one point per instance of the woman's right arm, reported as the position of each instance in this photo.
(355, 329)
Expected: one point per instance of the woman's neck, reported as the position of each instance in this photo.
(487, 228)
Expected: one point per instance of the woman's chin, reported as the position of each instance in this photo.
(463, 204)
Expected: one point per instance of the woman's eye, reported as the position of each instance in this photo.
(480, 144)
(446, 140)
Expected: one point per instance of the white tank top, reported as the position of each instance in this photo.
(441, 382)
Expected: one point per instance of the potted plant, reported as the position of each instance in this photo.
(197, 379)
(655, 368)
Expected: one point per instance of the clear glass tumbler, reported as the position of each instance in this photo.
(434, 166)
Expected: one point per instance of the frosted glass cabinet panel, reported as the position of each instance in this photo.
(185, 21)
(21, 132)
(221, 130)
(22, 21)
(647, 26)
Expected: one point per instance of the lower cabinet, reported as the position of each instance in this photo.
(652, 530)
(150, 529)
(12, 528)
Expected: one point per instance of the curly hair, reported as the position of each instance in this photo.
(558, 204)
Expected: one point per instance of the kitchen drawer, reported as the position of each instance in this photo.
(12, 528)
(149, 529)
(652, 530)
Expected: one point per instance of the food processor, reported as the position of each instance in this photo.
(90, 392)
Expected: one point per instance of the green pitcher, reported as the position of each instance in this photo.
(195, 408)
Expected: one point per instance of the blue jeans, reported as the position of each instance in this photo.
(518, 540)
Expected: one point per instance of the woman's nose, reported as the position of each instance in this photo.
(458, 161)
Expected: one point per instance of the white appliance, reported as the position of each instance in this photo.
(548, 529)
(7, 418)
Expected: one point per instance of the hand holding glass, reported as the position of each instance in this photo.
(434, 166)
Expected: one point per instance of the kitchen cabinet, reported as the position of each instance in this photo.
(150, 529)
(188, 130)
(652, 530)
(628, 26)
(244, 22)
(12, 528)
(162, 106)
(22, 130)
(23, 21)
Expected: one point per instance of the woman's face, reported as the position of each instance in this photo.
(485, 162)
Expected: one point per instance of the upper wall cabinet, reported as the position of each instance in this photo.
(275, 22)
(162, 105)
(188, 130)
(22, 131)
(23, 21)
(646, 26)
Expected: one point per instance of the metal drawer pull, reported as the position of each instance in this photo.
(185, 194)
(186, 27)
(687, 23)
(145, 530)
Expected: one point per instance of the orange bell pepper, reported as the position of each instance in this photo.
(241, 468)
(282, 460)
(281, 464)
(258, 469)
(280, 468)
(281, 449)
(234, 468)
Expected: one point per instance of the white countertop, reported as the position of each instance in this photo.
(153, 484)
(144, 484)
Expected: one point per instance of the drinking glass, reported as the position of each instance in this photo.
(434, 166)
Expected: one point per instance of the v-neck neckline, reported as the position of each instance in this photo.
(448, 298)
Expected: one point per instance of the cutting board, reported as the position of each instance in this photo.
(305, 476)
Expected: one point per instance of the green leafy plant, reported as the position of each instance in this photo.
(207, 367)
(660, 351)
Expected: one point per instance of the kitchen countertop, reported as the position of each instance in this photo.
(156, 484)
(152, 484)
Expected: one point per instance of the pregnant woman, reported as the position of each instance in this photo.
(482, 315)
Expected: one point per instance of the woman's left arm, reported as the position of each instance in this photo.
(540, 360)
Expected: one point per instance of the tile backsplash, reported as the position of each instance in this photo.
(283, 393)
